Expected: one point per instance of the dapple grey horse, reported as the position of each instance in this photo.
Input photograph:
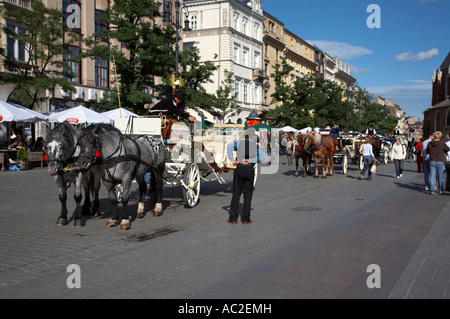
(61, 153)
(121, 159)
(153, 160)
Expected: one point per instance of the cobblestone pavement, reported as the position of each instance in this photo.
(310, 238)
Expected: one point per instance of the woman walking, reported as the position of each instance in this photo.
(368, 157)
(437, 150)
(398, 155)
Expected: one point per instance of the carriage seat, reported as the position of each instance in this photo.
(180, 133)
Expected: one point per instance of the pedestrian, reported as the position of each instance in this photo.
(418, 152)
(398, 155)
(426, 162)
(289, 150)
(437, 149)
(283, 144)
(366, 151)
(247, 155)
(447, 165)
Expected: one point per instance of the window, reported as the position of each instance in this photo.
(237, 91)
(257, 97)
(245, 26)
(193, 22)
(236, 50)
(72, 66)
(101, 72)
(245, 92)
(15, 49)
(72, 14)
(100, 26)
(236, 21)
(167, 11)
(437, 121)
(245, 56)
(447, 120)
(256, 35)
(257, 61)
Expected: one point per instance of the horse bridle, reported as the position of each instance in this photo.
(96, 158)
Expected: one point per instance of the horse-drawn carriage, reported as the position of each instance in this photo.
(348, 149)
(349, 146)
(190, 157)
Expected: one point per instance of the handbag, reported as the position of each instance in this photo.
(373, 169)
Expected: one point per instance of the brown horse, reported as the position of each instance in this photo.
(323, 147)
(299, 152)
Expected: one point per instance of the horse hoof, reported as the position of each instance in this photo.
(79, 222)
(324, 177)
(111, 223)
(140, 211)
(158, 209)
(62, 221)
(125, 224)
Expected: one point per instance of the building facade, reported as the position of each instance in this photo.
(230, 34)
(92, 75)
(437, 117)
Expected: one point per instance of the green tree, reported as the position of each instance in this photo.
(224, 103)
(307, 95)
(149, 53)
(40, 33)
(194, 74)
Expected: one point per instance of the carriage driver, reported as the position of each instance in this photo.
(370, 132)
(171, 108)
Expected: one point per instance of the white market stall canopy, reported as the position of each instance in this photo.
(10, 112)
(78, 115)
(118, 113)
(288, 129)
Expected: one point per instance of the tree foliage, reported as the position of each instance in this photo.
(41, 33)
(314, 102)
(145, 53)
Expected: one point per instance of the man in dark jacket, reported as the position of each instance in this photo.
(248, 153)
(172, 109)
(437, 150)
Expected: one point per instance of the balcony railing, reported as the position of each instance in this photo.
(20, 3)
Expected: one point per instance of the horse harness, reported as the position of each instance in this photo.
(111, 161)
(320, 145)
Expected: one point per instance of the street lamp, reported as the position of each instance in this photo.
(167, 18)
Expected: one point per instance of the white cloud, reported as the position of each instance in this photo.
(356, 70)
(410, 56)
(343, 50)
(419, 81)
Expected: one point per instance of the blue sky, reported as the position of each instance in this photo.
(395, 61)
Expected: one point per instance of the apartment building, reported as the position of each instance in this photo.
(92, 75)
(230, 34)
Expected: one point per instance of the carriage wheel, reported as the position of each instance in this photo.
(344, 164)
(361, 163)
(385, 157)
(191, 192)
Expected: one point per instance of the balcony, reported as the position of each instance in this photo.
(258, 74)
(20, 3)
